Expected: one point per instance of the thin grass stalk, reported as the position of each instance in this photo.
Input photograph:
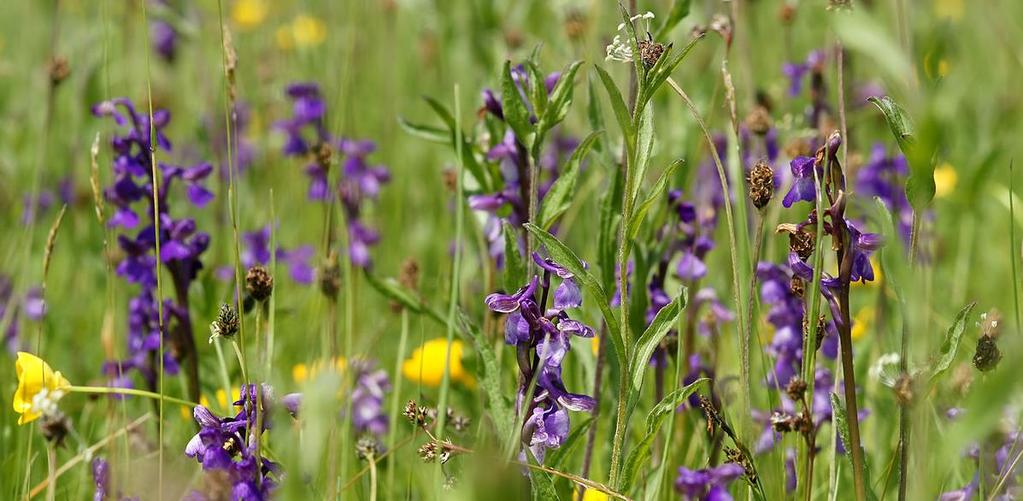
(442, 401)
(156, 224)
(739, 197)
(810, 325)
(729, 219)
(392, 435)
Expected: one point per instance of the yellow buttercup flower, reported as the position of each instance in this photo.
(39, 387)
(862, 323)
(304, 31)
(426, 364)
(595, 345)
(590, 495)
(945, 179)
(249, 13)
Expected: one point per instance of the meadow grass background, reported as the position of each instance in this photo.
(962, 69)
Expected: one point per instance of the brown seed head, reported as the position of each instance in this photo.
(795, 389)
(330, 276)
(761, 184)
(801, 243)
(259, 283)
(59, 70)
(759, 120)
(797, 287)
(650, 52)
(575, 24)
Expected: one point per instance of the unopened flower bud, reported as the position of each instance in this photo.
(226, 323)
(59, 70)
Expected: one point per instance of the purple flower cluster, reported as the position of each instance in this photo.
(181, 244)
(371, 385)
(708, 484)
(32, 305)
(797, 72)
(884, 176)
(256, 250)
(223, 444)
(33, 207)
(510, 201)
(307, 136)
(541, 337)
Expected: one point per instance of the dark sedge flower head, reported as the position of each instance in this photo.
(708, 484)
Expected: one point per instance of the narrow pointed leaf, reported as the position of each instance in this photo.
(559, 197)
(621, 112)
(514, 264)
(515, 112)
(666, 319)
(950, 347)
(655, 193)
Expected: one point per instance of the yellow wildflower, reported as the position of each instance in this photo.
(221, 396)
(301, 372)
(862, 323)
(945, 179)
(304, 31)
(249, 13)
(590, 495)
(950, 9)
(595, 345)
(426, 364)
(39, 387)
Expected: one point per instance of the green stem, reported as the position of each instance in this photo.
(241, 359)
(105, 390)
(396, 400)
(442, 402)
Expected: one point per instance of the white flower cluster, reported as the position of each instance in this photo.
(45, 402)
(620, 49)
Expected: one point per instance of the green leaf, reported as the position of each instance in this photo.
(564, 256)
(390, 288)
(621, 112)
(610, 208)
(640, 454)
(653, 335)
(655, 193)
(441, 111)
(920, 183)
(515, 112)
(556, 458)
(490, 382)
(841, 420)
(897, 120)
(427, 132)
(560, 100)
(559, 197)
(644, 148)
(536, 88)
(542, 484)
(660, 72)
(950, 346)
(593, 114)
(679, 11)
(630, 33)
(514, 264)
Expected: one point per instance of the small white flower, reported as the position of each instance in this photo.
(45, 402)
(620, 48)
